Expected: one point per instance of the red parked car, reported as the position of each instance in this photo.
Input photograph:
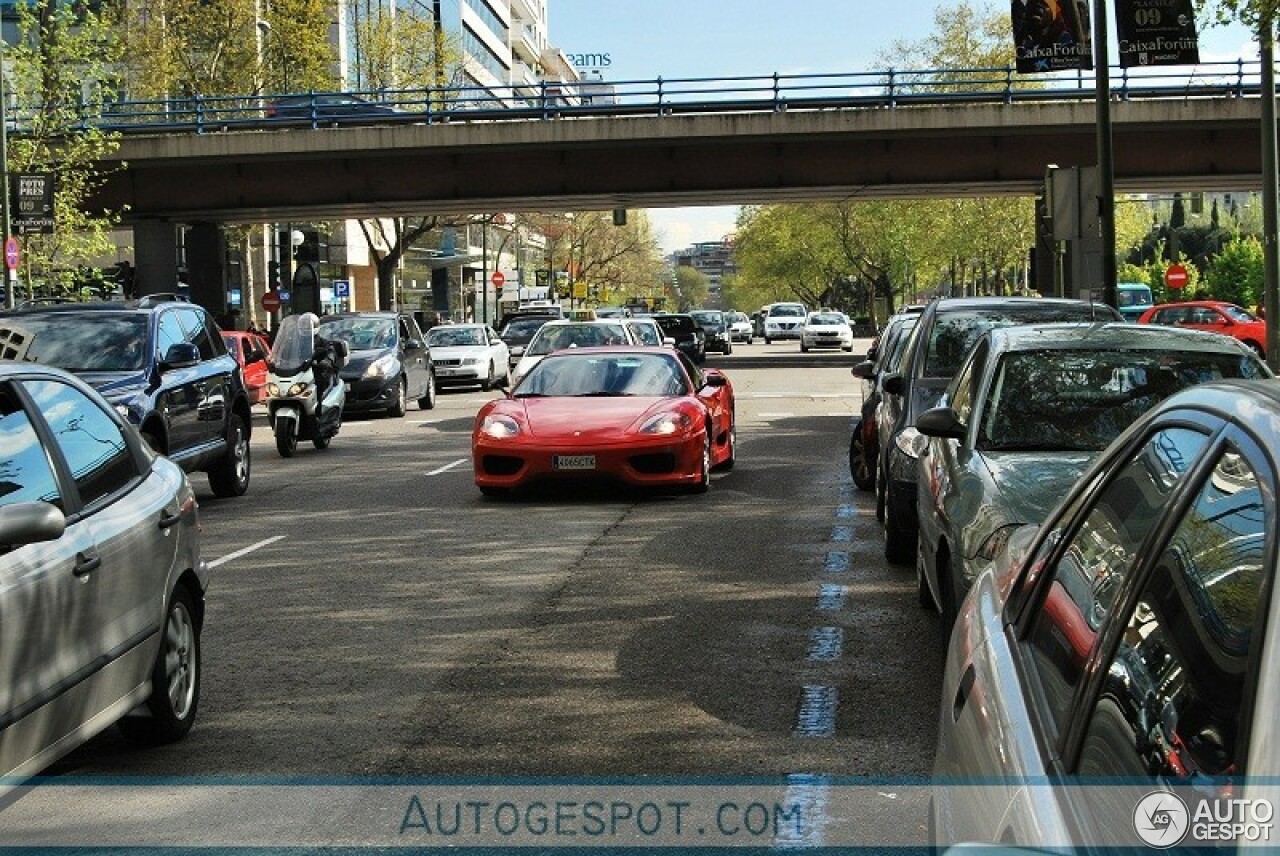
(1214, 316)
(647, 417)
(250, 351)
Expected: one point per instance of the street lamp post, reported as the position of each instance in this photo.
(1270, 192)
(1106, 155)
(11, 275)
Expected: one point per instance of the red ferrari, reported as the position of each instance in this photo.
(644, 416)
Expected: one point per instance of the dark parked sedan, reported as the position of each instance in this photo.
(329, 107)
(387, 361)
(689, 338)
(163, 366)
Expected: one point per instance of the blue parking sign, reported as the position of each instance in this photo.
(341, 288)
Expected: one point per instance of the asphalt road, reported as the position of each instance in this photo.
(373, 615)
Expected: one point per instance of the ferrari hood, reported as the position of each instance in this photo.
(585, 418)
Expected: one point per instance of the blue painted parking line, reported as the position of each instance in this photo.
(817, 716)
(845, 511)
(831, 597)
(826, 644)
(842, 534)
(837, 563)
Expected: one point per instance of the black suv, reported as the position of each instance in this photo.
(690, 339)
(164, 368)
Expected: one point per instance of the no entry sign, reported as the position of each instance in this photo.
(1175, 276)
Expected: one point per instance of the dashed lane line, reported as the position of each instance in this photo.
(438, 470)
(244, 552)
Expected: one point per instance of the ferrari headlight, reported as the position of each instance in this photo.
(666, 423)
(298, 390)
(383, 367)
(910, 442)
(499, 427)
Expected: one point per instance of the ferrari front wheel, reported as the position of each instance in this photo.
(703, 484)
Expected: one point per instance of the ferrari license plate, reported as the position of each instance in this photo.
(573, 462)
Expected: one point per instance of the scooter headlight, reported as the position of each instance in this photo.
(273, 390)
(298, 390)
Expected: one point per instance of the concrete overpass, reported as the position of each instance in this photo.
(597, 163)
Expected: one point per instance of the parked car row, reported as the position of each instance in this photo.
(1090, 505)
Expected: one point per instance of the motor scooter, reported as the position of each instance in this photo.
(298, 408)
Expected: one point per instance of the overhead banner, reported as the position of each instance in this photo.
(1051, 35)
(1157, 32)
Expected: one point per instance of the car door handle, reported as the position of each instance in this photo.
(962, 692)
(86, 563)
(168, 520)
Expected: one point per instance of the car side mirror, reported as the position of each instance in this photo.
(30, 523)
(894, 384)
(342, 349)
(668, 341)
(864, 370)
(183, 355)
(941, 422)
(412, 345)
(714, 379)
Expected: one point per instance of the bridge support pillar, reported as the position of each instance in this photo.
(155, 261)
(206, 252)
(440, 290)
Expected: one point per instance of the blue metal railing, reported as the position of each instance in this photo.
(884, 89)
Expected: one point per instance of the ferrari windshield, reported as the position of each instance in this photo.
(587, 374)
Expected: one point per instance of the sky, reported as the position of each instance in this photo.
(728, 38)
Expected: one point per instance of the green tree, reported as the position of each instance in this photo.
(690, 286)
(1235, 274)
(62, 64)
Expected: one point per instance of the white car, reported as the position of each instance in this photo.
(740, 329)
(647, 332)
(826, 329)
(469, 354)
(558, 335)
(784, 321)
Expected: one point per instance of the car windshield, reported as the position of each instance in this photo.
(648, 334)
(79, 342)
(709, 320)
(955, 332)
(360, 334)
(1133, 297)
(524, 326)
(1080, 400)
(786, 312)
(554, 338)
(444, 337)
(674, 324)
(826, 318)
(604, 375)
(1235, 313)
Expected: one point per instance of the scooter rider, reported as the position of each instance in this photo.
(325, 361)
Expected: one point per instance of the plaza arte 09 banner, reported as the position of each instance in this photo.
(1051, 35)
(1156, 32)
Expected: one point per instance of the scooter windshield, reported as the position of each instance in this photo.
(294, 346)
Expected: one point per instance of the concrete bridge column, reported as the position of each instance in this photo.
(155, 256)
(206, 252)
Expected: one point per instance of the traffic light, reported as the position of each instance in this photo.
(273, 276)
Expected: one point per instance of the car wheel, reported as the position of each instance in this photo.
(899, 546)
(487, 383)
(704, 478)
(880, 497)
(730, 459)
(750, 339)
(401, 404)
(286, 444)
(864, 477)
(428, 400)
(321, 442)
(230, 475)
(728, 348)
(804, 349)
(768, 341)
(175, 678)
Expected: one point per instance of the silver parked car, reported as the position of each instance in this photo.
(1128, 646)
(1028, 410)
(101, 581)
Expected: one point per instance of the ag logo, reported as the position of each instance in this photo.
(1161, 819)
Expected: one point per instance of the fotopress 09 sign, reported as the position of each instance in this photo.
(1051, 35)
(1157, 32)
(33, 203)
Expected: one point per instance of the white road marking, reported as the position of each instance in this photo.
(426, 421)
(246, 551)
(448, 467)
(775, 415)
